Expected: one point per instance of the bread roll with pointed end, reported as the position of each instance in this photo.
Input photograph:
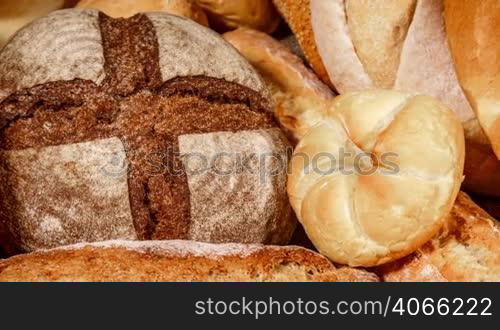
(482, 167)
(298, 16)
(360, 45)
(473, 27)
(16, 14)
(467, 249)
(229, 14)
(128, 8)
(176, 261)
(297, 92)
(376, 179)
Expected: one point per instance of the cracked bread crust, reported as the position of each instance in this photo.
(144, 104)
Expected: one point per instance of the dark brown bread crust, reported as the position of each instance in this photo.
(148, 116)
(131, 54)
(176, 261)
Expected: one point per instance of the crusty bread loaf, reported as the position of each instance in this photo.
(467, 249)
(375, 180)
(151, 127)
(473, 27)
(229, 14)
(128, 8)
(294, 87)
(176, 261)
(359, 45)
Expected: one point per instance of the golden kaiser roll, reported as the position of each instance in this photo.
(473, 27)
(376, 179)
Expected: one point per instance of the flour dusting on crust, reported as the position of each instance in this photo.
(180, 248)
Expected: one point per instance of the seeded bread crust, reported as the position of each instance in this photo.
(141, 84)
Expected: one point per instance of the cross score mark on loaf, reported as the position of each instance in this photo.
(147, 82)
(368, 220)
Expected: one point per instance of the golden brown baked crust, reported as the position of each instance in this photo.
(298, 16)
(176, 261)
(466, 250)
(367, 214)
(128, 8)
(229, 14)
(294, 87)
(473, 36)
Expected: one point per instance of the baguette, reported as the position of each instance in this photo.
(175, 261)
(358, 45)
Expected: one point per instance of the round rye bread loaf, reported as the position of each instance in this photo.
(150, 127)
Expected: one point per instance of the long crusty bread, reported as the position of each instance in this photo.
(175, 261)
(466, 250)
(358, 45)
(473, 27)
(293, 86)
(298, 16)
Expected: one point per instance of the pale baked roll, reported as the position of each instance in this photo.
(466, 249)
(127, 8)
(375, 180)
